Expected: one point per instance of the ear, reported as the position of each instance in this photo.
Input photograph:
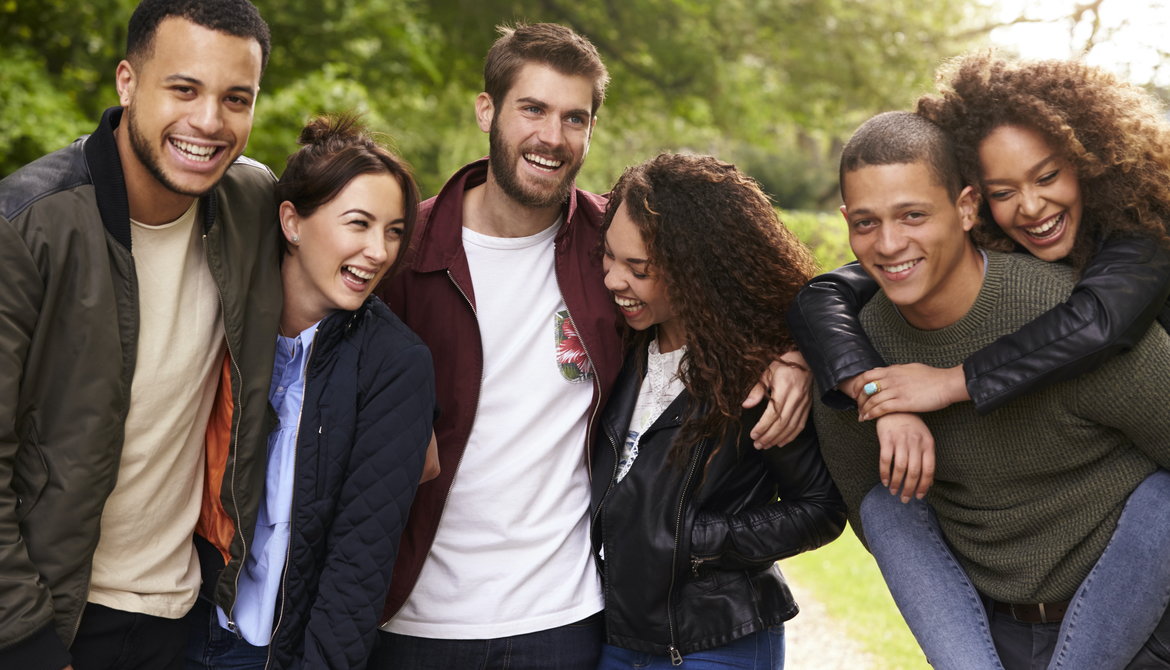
(968, 206)
(589, 135)
(485, 111)
(125, 80)
(290, 223)
(845, 213)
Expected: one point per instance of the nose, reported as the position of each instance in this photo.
(1031, 203)
(550, 132)
(614, 281)
(207, 116)
(377, 246)
(891, 239)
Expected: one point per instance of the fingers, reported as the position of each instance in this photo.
(885, 459)
(766, 428)
(755, 396)
(927, 468)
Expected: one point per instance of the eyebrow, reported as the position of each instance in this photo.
(1031, 171)
(900, 205)
(199, 82)
(544, 105)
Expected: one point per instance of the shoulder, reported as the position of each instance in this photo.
(248, 175)
(386, 337)
(62, 170)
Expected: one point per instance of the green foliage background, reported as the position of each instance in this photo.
(773, 85)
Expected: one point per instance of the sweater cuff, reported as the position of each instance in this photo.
(43, 650)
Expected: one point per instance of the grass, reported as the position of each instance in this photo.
(845, 578)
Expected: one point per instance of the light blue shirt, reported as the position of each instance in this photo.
(259, 582)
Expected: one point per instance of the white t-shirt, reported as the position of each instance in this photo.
(512, 553)
(660, 387)
(145, 561)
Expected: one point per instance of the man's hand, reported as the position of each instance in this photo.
(907, 450)
(788, 384)
(913, 387)
(431, 465)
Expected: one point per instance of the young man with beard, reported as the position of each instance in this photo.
(1027, 497)
(138, 313)
(506, 288)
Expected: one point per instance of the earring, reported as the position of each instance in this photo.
(296, 238)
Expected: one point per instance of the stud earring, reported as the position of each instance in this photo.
(296, 238)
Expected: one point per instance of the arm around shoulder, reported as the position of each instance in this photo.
(824, 321)
(1119, 296)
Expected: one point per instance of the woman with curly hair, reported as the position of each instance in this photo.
(689, 519)
(1073, 165)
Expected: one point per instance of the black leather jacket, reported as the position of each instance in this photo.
(1122, 290)
(690, 556)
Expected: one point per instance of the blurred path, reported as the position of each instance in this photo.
(816, 641)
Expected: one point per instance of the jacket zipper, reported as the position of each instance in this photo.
(233, 444)
(592, 367)
(675, 656)
(597, 513)
(293, 502)
(459, 462)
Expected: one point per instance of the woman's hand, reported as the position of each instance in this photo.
(907, 450)
(912, 387)
(788, 384)
(431, 466)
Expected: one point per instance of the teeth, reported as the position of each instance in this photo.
(900, 267)
(628, 304)
(360, 274)
(1040, 231)
(545, 162)
(197, 153)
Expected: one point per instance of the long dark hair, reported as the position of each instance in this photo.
(334, 151)
(731, 270)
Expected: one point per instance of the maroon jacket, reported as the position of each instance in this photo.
(435, 298)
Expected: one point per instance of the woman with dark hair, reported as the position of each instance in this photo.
(687, 527)
(1073, 166)
(354, 395)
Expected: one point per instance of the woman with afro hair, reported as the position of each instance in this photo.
(1073, 166)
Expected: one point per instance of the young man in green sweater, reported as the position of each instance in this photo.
(1028, 497)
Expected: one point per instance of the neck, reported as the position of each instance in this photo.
(489, 211)
(150, 202)
(671, 335)
(297, 312)
(952, 298)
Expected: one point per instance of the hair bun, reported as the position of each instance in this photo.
(326, 127)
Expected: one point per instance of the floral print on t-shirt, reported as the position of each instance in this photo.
(571, 356)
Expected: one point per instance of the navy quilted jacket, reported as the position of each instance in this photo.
(365, 424)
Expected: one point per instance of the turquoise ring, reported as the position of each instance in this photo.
(872, 388)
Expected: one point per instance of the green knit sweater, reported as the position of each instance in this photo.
(1029, 495)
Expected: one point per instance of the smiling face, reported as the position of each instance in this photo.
(911, 238)
(188, 112)
(638, 288)
(540, 135)
(344, 248)
(1032, 191)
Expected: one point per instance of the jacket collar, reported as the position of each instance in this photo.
(109, 182)
(441, 242)
(619, 409)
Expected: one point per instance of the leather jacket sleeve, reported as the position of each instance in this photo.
(1121, 292)
(809, 513)
(823, 321)
(26, 608)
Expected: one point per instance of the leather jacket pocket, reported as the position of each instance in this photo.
(30, 472)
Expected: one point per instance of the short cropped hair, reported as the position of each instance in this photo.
(334, 151)
(233, 17)
(896, 138)
(547, 44)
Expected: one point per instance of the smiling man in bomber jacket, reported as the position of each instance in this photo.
(139, 299)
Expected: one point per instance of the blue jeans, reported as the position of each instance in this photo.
(211, 647)
(763, 650)
(571, 647)
(1111, 616)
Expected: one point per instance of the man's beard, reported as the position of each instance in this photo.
(150, 159)
(503, 162)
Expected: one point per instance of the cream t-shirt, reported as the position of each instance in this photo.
(145, 561)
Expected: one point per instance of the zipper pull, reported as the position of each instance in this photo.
(235, 629)
(675, 657)
(695, 563)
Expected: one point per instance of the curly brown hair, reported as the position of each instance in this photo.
(1112, 133)
(731, 270)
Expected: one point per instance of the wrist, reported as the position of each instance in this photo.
(957, 385)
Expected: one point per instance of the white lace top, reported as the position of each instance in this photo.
(659, 388)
